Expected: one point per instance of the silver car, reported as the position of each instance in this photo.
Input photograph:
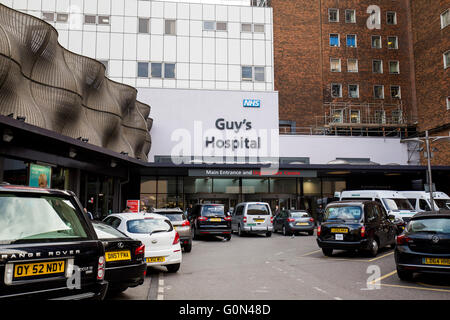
(181, 225)
(252, 217)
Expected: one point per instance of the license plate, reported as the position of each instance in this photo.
(155, 259)
(259, 220)
(215, 219)
(339, 230)
(302, 224)
(339, 237)
(436, 261)
(39, 268)
(118, 255)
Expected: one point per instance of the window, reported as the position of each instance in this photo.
(445, 18)
(354, 116)
(48, 16)
(337, 116)
(397, 116)
(391, 17)
(169, 27)
(246, 27)
(333, 15)
(446, 59)
(377, 66)
(376, 42)
(62, 17)
(353, 91)
(221, 26)
(89, 19)
(448, 103)
(351, 40)
(142, 69)
(378, 92)
(169, 70)
(103, 19)
(334, 40)
(247, 73)
(392, 42)
(395, 92)
(380, 116)
(209, 25)
(259, 74)
(350, 16)
(259, 28)
(352, 65)
(336, 90)
(335, 65)
(156, 71)
(144, 24)
(394, 67)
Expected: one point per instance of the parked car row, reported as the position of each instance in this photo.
(421, 240)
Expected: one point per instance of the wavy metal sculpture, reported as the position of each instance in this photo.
(59, 90)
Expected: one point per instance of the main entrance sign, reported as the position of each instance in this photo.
(251, 173)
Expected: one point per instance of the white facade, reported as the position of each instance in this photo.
(199, 58)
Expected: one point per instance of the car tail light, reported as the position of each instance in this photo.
(227, 218)
(101, 268)
(290, 220)
(140, 250)
(177, 238)
(186, 223)
(319, 230)
(202, 218)
(271, 219)
(363, 232)
(402, 239)
(244, 219)
(311, 219)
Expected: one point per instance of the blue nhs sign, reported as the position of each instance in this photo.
(251, 103)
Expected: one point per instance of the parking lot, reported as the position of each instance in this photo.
(280, 267)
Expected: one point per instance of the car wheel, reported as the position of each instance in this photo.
(269, 234)
(327, 251)
(373, 249)
(188, 246)
(405, 275)
(172, 268)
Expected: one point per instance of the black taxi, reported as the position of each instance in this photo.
(356, 225)
(48, 247)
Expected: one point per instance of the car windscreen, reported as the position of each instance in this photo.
(397, 204)
(257, 209)
(442, 203)
(105, 231)
(39, 218)
(430, 225)
(343, 213)
(148, 225)
(213, 210)
(299, 214)
(173, 216)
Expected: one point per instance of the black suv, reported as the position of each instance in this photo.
(424, 246)
(48, 247)
(210, 219)
(356, 225)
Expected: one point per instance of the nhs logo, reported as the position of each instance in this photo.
(251, 103)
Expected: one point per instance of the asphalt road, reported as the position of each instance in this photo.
(255, 267)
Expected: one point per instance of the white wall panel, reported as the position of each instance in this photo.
(144, 9)
(129, 69)
(222, 51)
(117, 7)
(195, 50)
(195, 28)
(209, 12)
(129, 46)
(170, 49)
(32, 5)
(75, 41)
(117, 24)
(102, 46)
(115, 68)
(259, 53)
(157, 26)
(131, 8)
(246, 52)
(89, 39)
(104, 7)
(209, 48)
(196, 12)
(234, 14)
(182, 70)
(116, 51)
(182, 27)
(62, 6)
(90, 7)
(195, 71)
(182, 49)
(143, 47)
(183, 11)
(234, 51)
(130, 25)
(156, 48)
(209, 72)
(157, 10)
(170, 10)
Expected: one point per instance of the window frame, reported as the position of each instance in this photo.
(446, 56)
(381, 66)
(382, 91)
(442, 18)
(396, 42)
(338, 40)
(395, 18)
(399, 91)
(90, 15)
(174, 27)
(242, 75)
(337, 15)
(100, 20)
(354, 16)
(356, 41)
(357, 65)
(340, 64)
(174, 70)
(340, 90)
(357, 91)
(147, 20)
(381, 42)
(398, 66)
(137, 71)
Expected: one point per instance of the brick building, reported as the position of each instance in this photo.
(374, 65)
(431, 31)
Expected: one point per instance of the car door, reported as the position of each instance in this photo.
(389, 227)
(276, 221)
(235, 219)
(370, 219)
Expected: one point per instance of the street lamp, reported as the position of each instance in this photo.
(426, 140)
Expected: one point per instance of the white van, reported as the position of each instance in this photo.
(394, 202)
(420, 200)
